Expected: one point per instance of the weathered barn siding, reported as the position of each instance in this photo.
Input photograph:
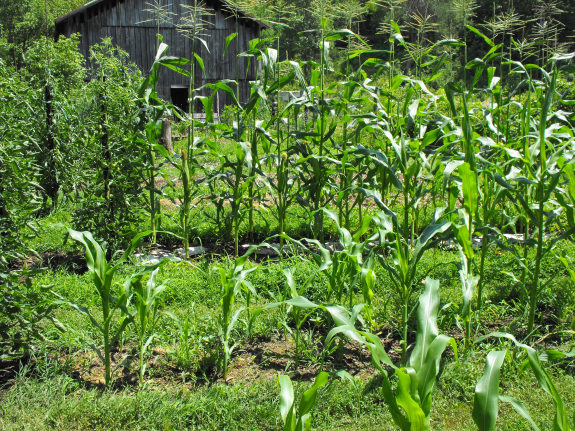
(124, 22)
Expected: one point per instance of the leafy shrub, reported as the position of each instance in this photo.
(18, 170)
(22, 308)
(111, 185)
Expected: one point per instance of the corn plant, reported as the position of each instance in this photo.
(389, 29)
(541, 175)
(282, 192)
(302, 309)
(233, 281)
(144, 316)
(260, 91)
(314, 151)
(192, 26)
(360, 130)
(297, 416)
(409, 163)
(232, 173)
(296, 309)
(159, 14)
(410, 402)
(402, 265)
(154, 109)
(486, 393)
(464, 11)
(492, 195)
(185, 351)
(486, 400)
(346, 268)
(463, 227)
(112, 300)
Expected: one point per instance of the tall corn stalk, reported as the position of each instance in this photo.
(192, 26)
(323, 11)
(159, 14)
(465, 11)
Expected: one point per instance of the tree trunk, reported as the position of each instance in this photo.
(166, 138)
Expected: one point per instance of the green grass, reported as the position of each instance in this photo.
(47, 398)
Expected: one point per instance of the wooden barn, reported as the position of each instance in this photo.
(130, 24)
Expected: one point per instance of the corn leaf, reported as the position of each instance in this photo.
(485, 407)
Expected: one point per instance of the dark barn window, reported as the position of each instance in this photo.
(179, 96)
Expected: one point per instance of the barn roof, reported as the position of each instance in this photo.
(95, 3)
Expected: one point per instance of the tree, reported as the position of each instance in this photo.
(25, 21)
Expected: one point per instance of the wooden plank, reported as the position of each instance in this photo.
(139, 47)
(148, 47)
(83, 48)
(120, 37)
(129, 12)
(132, 38)
(138, 14)
(87, 33)
(111, 16)
(220, 20)
(125, 6)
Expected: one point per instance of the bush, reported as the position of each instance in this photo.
(113, 156)
(18, 170)
(22, 308)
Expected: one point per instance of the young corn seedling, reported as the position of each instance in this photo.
(486, 400)
(297, 416)
(233, 282)
(184, 350)
(112, 300)
(146, 299)
(346, 268)
(302, 308)
(296, 311)
(410, 401)
(487, 390)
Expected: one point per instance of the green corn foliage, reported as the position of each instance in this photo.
(297, 416)
(485, 406)
(302, 308)
(103, 272)
(233, 282)
(345, 268)
(154, 109)
(486, 412)
(146, 299)
(184, 350)
(486, 401)
(464, 227)
(410, 401)
(403, 267)
(561, 421)
(192, 26)
(533, 189)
